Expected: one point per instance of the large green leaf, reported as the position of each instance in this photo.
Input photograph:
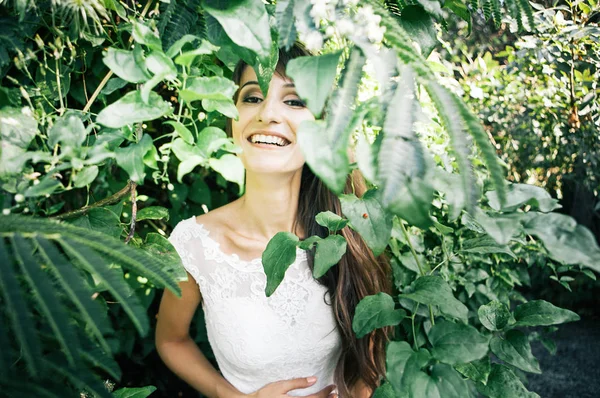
(83, 381)
(455, 343)
(331, 221)
(329, 252)
(396, 356)
(124, 64)
(368, 218)
(140, 392)
(213, 88)
(210, 139)
(18, 312)
(494, 315)
(518, 195)
(433, 290)
(515, 350)
(327, 159)
(17, 129)
(485, 245)
(131, 158)
(503, 383)
(46, 298)
(277, 257)
(477, 371)
(265, 67)
(314, 77)
(152, 213)
(542, 313)
(284, 14)
(131, 109)
(68, 130)
(420, 25)
(374, 312)
(230, 167)
(245, 21)
(100, 219)
(145, 35)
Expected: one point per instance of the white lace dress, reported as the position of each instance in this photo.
(258, 340)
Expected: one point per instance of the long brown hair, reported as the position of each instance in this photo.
(358, 274)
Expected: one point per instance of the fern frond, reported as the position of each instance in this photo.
(46, 298)
(76, 289)
(486, 6)
(98, 358)
(5, 352)
(83, 381)
(19, 312)
(474, 5)
(97, 265)
(181, 18)
(401, 155)
(482, 141)
(339, 111)
(21, 387)
(527, 10)
(496, 12)
(451, 120)
(514, 11)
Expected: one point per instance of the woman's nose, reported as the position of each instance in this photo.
(268, 112)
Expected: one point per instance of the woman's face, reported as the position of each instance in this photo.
(266, 128)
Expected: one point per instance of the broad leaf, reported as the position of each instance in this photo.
(329, 252)
(213, 88)
(542, 313)
(245, 21)
(385, 390)
(494, 315)
(124, 64)
(314, 77)
(230, 167)
(132, 109)
(67, 130)
(187, 58)
(140, 392)
(284, 13)
(85, 177)
(182, 131)
(17, 129)
(433, 290)
(374, 312)
(152, 213)
(420, 25)
(515, 350)
(331, 221)
(225, 107)
(500, 228)
(518, 195)
(144, 35)
(396, 356)
(485, 245)
(210, 139)
(277, 257)
(131, 158)
(503, 383)
(478, 370)
(368, 218)
(265, 67)
(455, 343)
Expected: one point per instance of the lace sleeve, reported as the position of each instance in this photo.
(180, 239)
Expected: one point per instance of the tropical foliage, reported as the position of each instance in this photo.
(111, 120)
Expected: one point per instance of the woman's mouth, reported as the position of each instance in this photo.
(265, 139)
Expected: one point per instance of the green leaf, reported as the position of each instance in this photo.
(374, 312)
(225, 107)
(131, 158)
(329, 252)
(46, 186)
(503, 383)
(152, 213)
(478, 371)
(542, 313)
(17, 130)
(501, 229)
(210, 139)
(518, 195)
(455, 343)
(19, 313)
(230, 167)
(132, 109)
(485, 245)
(140, 392)
(385, 390)
(565, 239)
(124, 64)
(68, 130)
(419, 25)
(460, 9)
(265, 68)
(182, 131)
(187, 58)
(245, 21)
(142, 34)
(327, 160)
(494, 315)
(396, 355)
(85, 177)
(161, 65)
(314, 77)
(284, 14)
(159, 246)
(331, 221)
(433, 290)
(214, 88)
(277, 257)
(445, 382)
(308, 243)
(515, 350)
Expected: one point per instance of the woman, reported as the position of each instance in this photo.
(299, 341)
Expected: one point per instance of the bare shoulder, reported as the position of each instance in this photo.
(219, 220)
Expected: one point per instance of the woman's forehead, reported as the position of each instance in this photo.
(250, 75)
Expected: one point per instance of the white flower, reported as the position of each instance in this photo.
(19, 198)
(330, 31)
(375, 33)
(345, 26)
(313, 41)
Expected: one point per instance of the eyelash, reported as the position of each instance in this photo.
(251, 99)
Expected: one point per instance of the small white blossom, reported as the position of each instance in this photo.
(19, 198)
(330, 31)
(345, 27)
(375, 33)
(6, 212)
(314, 41)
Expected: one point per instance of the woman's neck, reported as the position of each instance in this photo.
(270, 204)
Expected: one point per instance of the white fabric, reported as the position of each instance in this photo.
(258, 340)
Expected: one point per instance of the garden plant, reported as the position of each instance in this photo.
(112, 118)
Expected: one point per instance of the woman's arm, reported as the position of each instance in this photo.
(177, 349)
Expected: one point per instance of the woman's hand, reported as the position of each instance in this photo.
(281, 388)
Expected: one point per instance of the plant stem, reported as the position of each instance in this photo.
(412, 318)
(133, 212)
(114, 198)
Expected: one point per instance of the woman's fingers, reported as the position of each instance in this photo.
(294, 384)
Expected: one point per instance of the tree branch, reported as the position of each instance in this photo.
(111, 200)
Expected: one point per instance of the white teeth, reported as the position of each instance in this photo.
(268, 139)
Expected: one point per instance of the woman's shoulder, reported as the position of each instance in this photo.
(216, 221)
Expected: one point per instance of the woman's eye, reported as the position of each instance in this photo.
(252, 99)
(296, 103)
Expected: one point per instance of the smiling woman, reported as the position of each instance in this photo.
(298, 341)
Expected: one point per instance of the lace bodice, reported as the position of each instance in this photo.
(258, 340)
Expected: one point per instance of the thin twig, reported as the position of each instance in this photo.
(111, 200)
(133, 213)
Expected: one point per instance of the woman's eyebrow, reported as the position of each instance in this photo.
(249, 82)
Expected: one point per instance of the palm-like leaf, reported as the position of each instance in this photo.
(180, 18)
